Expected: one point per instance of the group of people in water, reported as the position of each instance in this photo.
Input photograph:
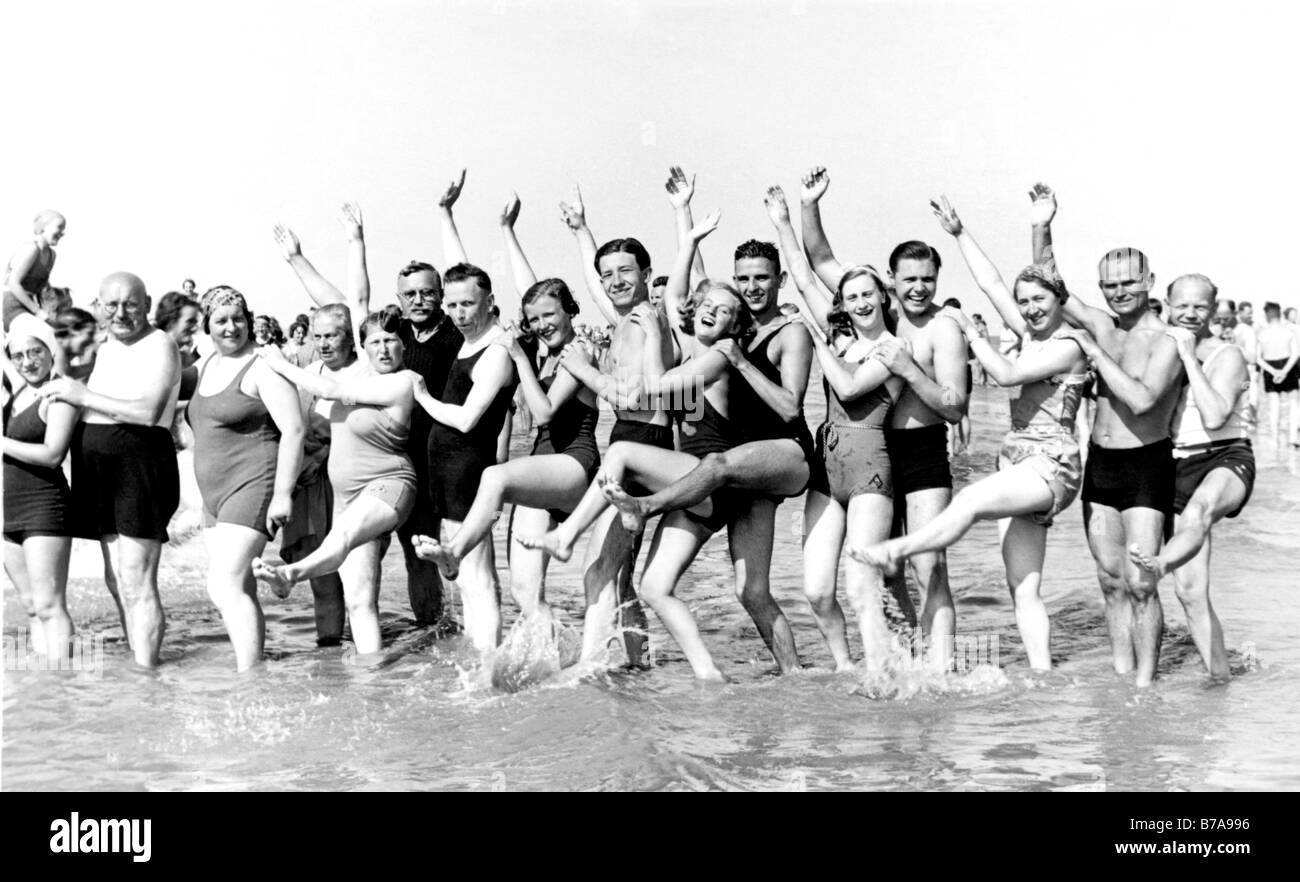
(394, 425)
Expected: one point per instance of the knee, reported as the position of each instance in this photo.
(1192, 593)
(1111, 578)
(722, 464)
(753, 594)
(45, 606)
(493, 480)
(821, 597)
(1196, 516)
(615, 456)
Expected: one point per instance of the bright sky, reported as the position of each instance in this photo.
(173, 135)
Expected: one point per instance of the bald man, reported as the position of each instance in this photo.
(125, 484)
(1128, 484)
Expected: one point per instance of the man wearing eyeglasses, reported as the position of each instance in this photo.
(1129, 481)
(431, 342)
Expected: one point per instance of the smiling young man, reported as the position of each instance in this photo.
(1129, 482)
(930, 353)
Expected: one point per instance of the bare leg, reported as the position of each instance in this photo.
(824, 523)
(359, 571)
(135, 568)
(674, 546)
(870, 517)
(528, 566)
(1024, 548)
(480, 592)
(16, 570)
(1144, 528)
(750, 536)
(364, 519)
(327, 595)
(231, 587)
(610, 551)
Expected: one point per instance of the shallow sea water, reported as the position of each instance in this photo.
(309, 719)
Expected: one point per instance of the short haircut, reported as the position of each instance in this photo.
(417, 266)
(1045, 277)
(625, 246)
(71, 320)
(463, 271)
(913, 250)
(756, 249)
(1124, 255)
(549, 288)
(1271, 308)
(170, 307)
(388, 320)
(953, 302)
(1245, 304)
(223, 295)
(1197, 277)
(339, 313)
(659, 280)
(191, 281)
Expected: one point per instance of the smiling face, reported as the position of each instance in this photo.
(299, 334)
(864, 302)
(124, 305)
(333, 340)
(468, 305)
(421, 297)
(1125, 281)
(228, 326)
(34, 361)
(53, 230)
(547, 319)
(915, 284)
(1039, 307)
(1191, 303)
(261, 331)
(384, 349)
(624, 282)
(759, 281)
(182, 330)
(717, 316)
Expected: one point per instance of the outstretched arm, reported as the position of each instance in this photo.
(815, 243)
(574, 214)
(1139, 394)
(379, 389)
(453, 250)
(986, 275)
(318, 288)
(1215, 395)
(814, 300)
(520, 269)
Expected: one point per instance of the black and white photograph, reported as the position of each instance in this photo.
(518, 396)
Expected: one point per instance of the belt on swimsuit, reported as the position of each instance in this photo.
(830, 432)
(1208, 447)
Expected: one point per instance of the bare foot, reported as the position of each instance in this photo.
(428, 548)
(288, 242)
(877, 556)
(551, 543)
(630, 509)
(273, 576)
(1152, 565)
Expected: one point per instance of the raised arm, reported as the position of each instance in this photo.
(574, 214)
(1216, 393)
(358, 277)
(318, 288)
(680, 190)
(1042, 211)
(815, 300)
(19, 266)
(678, 287)
(815, 243)
(1139, 394)
(60, 421)
(453, 250)
(986, 275)
(520, 269)
(490, 376)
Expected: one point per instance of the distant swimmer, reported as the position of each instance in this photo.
(248, 435)
(1039, 470)
(851, 491)
(373, 480)
(27, 274)
(1215, 465)
(1129, 482)
(125, 482)
(1279, 361)
(931, 355)
(37, 501)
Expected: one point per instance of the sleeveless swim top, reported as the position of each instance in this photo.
(1190, 431)
(38, 276)
(1051, 403)
(869, 411)
(709, 431)
(23, 478)
(365, 444)
(460, 380)
(574, 421)
(121, 372)
(234, 435)
(763, 423)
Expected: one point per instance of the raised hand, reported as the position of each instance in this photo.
(1043, 205)
(350, 218)
(510, 213)
(573, 212)
(947, 216)
(452, 193)
(288, 242)
(777, 209)
(815, 184)
(706, 226)
(680, 190)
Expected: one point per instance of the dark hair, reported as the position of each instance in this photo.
(464, 271)
(625, 246)
(953, 302)
(1043, 276)
(756, 249)
(1156, 306)
(555, 288)
(417, 266)
(659, 280)
(170, 307)
(295, 326)
(71, 320)
(913, 250)
(388, 320)
(1271, 308)
(277, 333)
(191, 281)
(838, 319)
(1243, 304)
(299, 319)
